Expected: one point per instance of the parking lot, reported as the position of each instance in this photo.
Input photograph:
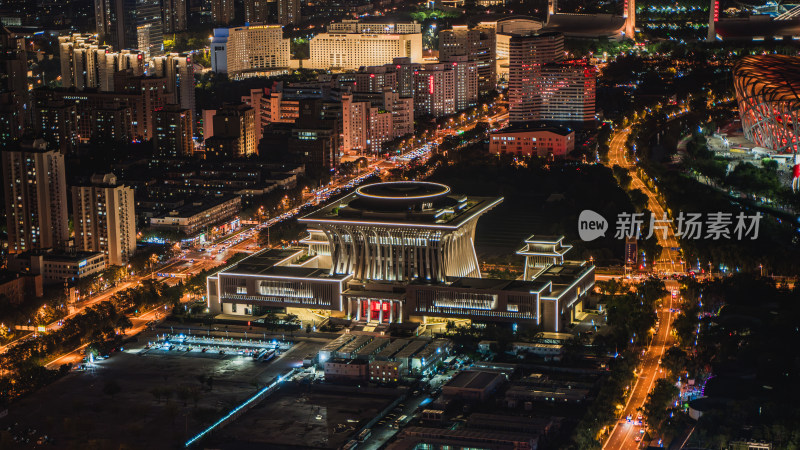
(147, 399)
(300, 416)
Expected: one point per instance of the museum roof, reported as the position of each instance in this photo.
(409, 204)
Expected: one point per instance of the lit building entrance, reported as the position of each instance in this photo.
(377, 310)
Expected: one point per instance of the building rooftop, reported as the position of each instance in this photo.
(544, 239)
(373, 347)
(346, 361)
(411, 349)
(50, 255)
(271, 262)
(338, 343)
(495, 366)
(248, 268)
(393, 347)
(756, 27)
(492, 284)
(355, 345)
(515, 129)
(535, 425)
(544, 245)
(198, 206)
(564, 274)
(470, 437)
(404, 204)
(470, 379)
(533, 33)
(586, 25)
(432, 349)
(557, 393)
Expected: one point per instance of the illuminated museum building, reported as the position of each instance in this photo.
(403, 251)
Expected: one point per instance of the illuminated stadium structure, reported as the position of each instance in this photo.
(768, 93)
(402, 251)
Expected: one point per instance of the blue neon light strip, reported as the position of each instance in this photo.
(238, 408)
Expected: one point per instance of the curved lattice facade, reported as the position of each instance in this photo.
(768, 93)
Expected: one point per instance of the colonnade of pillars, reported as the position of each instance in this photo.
(380, 311)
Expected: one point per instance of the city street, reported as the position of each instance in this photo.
(79, 309)
(139, 325)
(624, 433)
(670, 260)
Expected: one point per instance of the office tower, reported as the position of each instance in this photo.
(478, 45)
(101, 115)
(504, 30)
(254, 101)
(256, 11)
(528, 52)
(130, 24)
(172, 132)
(465, 79)
(380, 128)
(104, 218)
(179, 72)
(315, 143)
(57, 120)
(568, 92)
(402, 109)
(289, 12)
(435, 90)
(375, 78)
(355, 124)
(405, 70)
(116, 23)
(174, 14)
(152, 93)
(248, 49)
(149, 28)
(35, 197)
(222, 12)
(13, 86)
(234, 132)
(112, 123)
(350, 44)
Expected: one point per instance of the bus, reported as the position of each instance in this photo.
(364, 435)
(400, 421)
